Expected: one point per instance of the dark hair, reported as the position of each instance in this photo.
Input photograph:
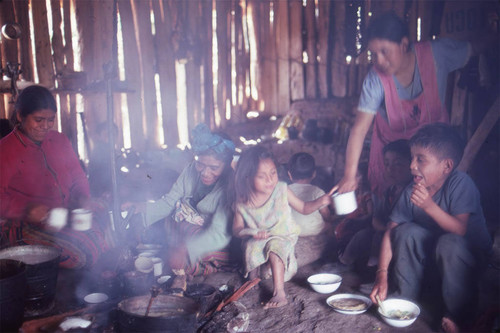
(32, 99)
(400, 147)
(442, 140)
(301, 166)
(387, 26)
(246, 170)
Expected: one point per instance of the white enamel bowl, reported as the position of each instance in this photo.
(324, 283)
(394, 304)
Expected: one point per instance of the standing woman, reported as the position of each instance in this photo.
(404, 90)
(39, 170)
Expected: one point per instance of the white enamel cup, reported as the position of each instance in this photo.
(57, 218)
(345, 203)
(81, 219)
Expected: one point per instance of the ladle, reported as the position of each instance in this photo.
(155, 291)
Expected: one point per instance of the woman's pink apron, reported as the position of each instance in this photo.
(404, 117)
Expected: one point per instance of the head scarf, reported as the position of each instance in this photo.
(204, 139)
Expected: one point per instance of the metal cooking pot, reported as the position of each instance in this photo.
(168, 313)
(12, 294)
(42, 268)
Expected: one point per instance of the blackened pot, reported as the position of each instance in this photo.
(42, 268)
(168, 313)
(12, 294)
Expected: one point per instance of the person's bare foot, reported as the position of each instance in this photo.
(449, 326)
(276, 302)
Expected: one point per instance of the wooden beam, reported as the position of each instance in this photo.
(21, 8)
(242, 65)
(283, 55)
(43, 49)
(322, 46)
(312, 53)
(338, 64)
(132, 73)
(223, 42)
(193, 66)
(142, 10)
(57, 41)
(481, 133)
(207, 66)
(9, 48)
(296, 48)
(267, 83)
(164, 12)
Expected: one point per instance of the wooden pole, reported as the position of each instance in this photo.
(312, 53)
(322, 45)
(283, 55)
(481, 133)
(296, 48)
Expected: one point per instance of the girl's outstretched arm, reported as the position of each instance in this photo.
(310, 206)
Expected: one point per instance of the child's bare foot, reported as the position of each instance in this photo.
(276, 302)
(449, 326)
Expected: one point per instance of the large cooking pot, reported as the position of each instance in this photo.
(12, 294)
(168, 313)
(42, 267)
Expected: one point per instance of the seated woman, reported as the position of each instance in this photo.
(39, 170)
(196, 213)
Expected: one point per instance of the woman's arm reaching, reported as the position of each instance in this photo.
(354, 147)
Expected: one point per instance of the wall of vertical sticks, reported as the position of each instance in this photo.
(173, 63)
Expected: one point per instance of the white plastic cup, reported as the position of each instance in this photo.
(81, 219)
(157, 266)
(345, 203)
(58, 218)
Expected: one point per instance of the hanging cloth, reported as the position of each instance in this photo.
(405, 117)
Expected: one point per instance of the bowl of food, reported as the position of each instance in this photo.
(350, 304)
(324, 283)
(399, 312)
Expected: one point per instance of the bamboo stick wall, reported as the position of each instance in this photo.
(261, 50)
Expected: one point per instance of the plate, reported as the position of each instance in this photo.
(95, 298)
(365, 299)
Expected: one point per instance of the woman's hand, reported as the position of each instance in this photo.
(346, 184)
(380, 287)
(37, 213)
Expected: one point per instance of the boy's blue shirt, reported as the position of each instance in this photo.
(458, 195)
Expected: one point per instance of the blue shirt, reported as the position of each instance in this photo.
(458, 195)
(449, 55)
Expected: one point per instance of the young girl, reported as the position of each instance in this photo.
(263, 219)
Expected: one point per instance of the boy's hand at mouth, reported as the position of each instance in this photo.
(421, 197)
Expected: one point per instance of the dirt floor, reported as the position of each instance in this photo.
(306, 311)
